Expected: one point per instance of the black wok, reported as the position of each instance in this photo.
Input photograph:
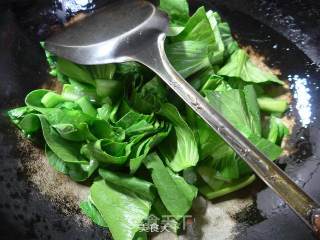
(285, 32)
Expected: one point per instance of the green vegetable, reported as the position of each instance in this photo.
(178, 11)
(74, 71)
(171, 187)
(239, 65)
(119, 129)
(121, 208)
(272, 105)
(139, 186)
(198, 46)
(213, 188)
(188, 57)
(230, 44)
(180, 150)
(92, 212)
(240, 107)
(149, 97)
(277, 130)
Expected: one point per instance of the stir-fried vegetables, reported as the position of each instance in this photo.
(145, 152)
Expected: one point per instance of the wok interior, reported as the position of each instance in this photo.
(22, 69)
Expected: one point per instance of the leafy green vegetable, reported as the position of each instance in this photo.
(108, 152)
(198, 28)
(121, 209)
(29, 123)
(75, 90)
(149, 97)
(143, 151)
(216, 188)
(139, 186)
(57, 163)
(222, 166)
(240, 107)
(92, 212)
(188, 57)
(230, 44)
(272, 105)
(180, 150)
(171, 187)
(217, 54)
(67, 151)
(198, 46)
(277, 130)
(240, 65)
(74, 71)
(178, 11)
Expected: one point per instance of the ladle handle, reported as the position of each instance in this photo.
(305, 207)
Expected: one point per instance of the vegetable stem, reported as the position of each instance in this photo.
(272, 105)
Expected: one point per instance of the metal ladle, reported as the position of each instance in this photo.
(135, 31)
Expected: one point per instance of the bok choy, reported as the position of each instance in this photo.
(119, 127)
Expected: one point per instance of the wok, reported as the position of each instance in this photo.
(36, 203)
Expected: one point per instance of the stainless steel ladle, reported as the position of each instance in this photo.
(135, 30)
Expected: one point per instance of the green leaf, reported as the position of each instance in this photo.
(240, 108)
(171, 187)
(109, 88)
(74, 71)
(213, 82)
(224, 187)
(178, 10)
(55, 162)
(146, 146)
(92, 212)
(121, 209)
(51, 99)
(272, 105)
(217, 52)
(65, 116)
(29, 123)
(104, 71)
(229, 166)
(17, 113)
(198, 46)
(76, 171)
(174, 30)
(149, 97)
(233, 106)
(87, 107)
(253, 109)
(66, 150)
(160, 211)
(137, 185)
(33, 99)
(141, 236)
(180, 149)
(75, 90)
(240, 65)
(188, 57)
(229, 43)
(277, 130)
(133, 118)
(267, 147)
(202, 28)
(199, 79)
(104, 130)
(78, 133)
(107, 151)
(198, 28)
